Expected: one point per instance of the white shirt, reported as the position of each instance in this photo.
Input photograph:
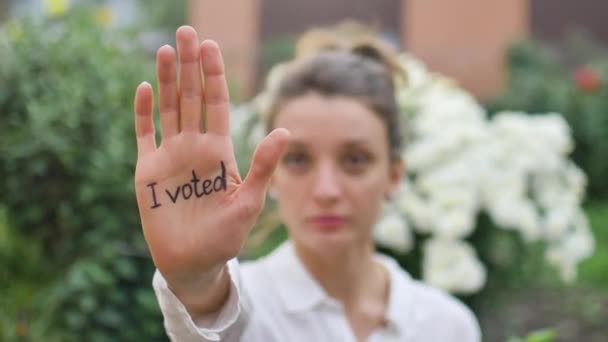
(276, 299)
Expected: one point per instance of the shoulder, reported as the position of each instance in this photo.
(268, 268)
(259, 277)
(439, 303)
(444, 310)
(436, 314)
(254, 272)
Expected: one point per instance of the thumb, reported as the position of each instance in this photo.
(265, 159)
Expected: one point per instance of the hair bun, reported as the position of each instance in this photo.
(354, 37)
(316, 40)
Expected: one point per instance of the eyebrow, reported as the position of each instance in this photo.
(353, 143)
(296, 144)
(356, 143)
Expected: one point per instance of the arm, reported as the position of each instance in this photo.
(227, 324)
(195, 209)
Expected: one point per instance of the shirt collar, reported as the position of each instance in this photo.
(299, 291)
(399, 313)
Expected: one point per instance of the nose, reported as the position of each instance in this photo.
(326, 188)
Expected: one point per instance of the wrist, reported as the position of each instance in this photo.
(204, 295)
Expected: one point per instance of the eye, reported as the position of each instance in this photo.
(296, 160)
(356, 161)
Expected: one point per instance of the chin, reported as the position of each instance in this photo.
(328, 243)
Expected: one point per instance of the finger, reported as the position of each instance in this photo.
(217, 100)
(144, 122)
(168, 105)
(190, 86)
(265, 160)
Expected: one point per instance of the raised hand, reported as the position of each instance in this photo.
(195, 210)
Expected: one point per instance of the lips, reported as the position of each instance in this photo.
(329, 222)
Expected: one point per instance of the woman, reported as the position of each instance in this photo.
(331, 160)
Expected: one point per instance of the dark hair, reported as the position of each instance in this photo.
(361, 71)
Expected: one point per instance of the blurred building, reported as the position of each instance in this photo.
(464, 39)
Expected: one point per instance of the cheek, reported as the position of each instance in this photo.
(290, 191)
(283, 183)
(368, 195)
(377, 181)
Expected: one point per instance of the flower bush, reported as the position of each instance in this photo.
(569, 78)
(513, 168)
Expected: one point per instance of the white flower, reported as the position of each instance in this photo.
(558, 221)
(532, 143)
(554, 130)
(393, 232)
(528, 221)
(503, 211)
(499, 183)
(576, 245)
(452, 265)
(417, 75)
(575, 180)
(420, 214)
(460, 196)
(456, 208)
(455, 224)
(551, 191)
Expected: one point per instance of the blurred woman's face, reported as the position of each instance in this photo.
(335, 174)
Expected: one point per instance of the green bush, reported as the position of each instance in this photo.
(594, 271)
(569, 79)
(74, 262)
(544, 335)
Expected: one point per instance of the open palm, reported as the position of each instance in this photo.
(195, 210)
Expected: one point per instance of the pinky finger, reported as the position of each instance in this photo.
(144, 121)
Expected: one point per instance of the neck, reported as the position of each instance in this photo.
(352, 276)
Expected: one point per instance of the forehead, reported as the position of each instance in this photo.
(316, 119)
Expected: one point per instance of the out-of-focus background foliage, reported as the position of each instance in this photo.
(73, 263)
